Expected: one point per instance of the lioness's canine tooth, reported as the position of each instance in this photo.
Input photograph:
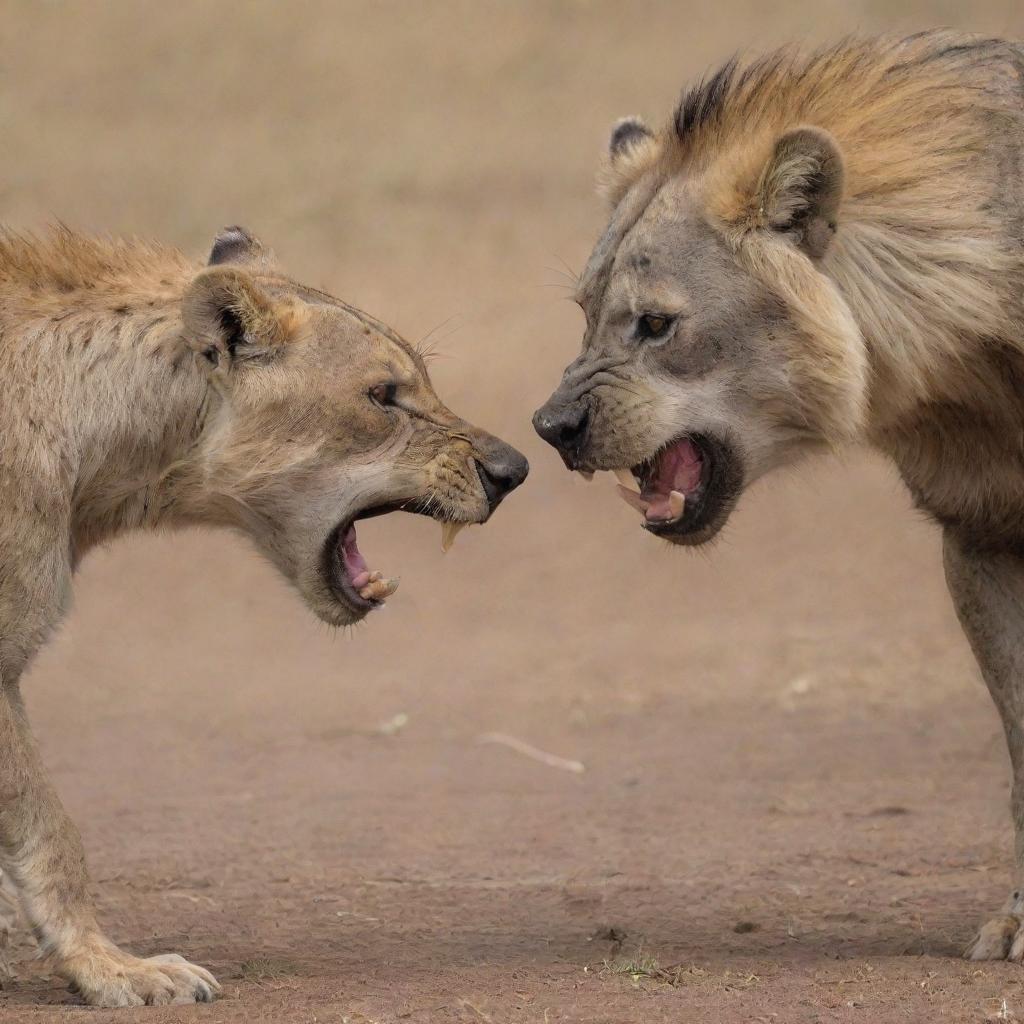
(676, 504)
(626, 478)
(632, 499)
(379, 589)
(449, 531)
(375, 575)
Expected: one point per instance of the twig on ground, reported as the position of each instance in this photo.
(521, 747)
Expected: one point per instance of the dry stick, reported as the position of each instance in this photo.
(551, 760)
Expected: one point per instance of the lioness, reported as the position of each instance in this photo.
(822, 249)
(143, 391)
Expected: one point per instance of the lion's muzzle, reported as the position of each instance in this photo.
(565, 426)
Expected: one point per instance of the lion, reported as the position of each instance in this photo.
(824, 249)
(143, 391)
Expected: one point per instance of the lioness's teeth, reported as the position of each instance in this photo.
(374, 576)
(633, 499)
(586, 474)
(379, 589)
(676, 504)
(449, 531)
(626, 478)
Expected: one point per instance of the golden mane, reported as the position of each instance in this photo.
(926, 126)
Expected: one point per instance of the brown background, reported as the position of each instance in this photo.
(786, 733)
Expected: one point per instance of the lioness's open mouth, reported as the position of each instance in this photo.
(685, 491)
(346, 570)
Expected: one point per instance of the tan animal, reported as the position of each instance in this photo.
(822, 249)
(142, 391)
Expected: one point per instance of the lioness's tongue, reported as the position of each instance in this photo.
(369, 585)
(352, 558)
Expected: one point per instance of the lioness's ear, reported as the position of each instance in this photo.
(235, 245)
(801, 188)
(228, 318)
(632, 148)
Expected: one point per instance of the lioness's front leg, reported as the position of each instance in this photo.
(41, 851)
(988, 592)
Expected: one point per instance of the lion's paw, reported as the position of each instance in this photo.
(1001, 938)
(107, 976)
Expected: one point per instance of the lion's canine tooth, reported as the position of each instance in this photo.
(632, 499)
(374, 576)
(586, 474)
(626, 478)
(449, 531)
(676, 504)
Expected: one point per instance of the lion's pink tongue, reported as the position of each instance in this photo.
(356, 569)
(678, 469)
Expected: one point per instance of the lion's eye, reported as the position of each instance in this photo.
(383, 394)
(651, 326)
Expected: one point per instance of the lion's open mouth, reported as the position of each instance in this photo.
(346, 570)
(684, 491)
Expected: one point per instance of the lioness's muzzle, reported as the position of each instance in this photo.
(500, 467)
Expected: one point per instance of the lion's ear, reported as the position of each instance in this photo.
(236, 245)
(228, 318)
(627, 133)
(632, 149)
(801, 188)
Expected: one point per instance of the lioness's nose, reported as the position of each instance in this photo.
(565, 428)
(501, 470)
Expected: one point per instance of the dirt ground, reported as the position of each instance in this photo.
(794, 802)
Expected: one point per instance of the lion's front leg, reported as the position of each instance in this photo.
(8, 922)
(988, 592)
(41, 853)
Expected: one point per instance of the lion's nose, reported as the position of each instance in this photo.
(501, 471)
(565, 428)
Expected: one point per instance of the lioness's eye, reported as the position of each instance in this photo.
(651, 326)
(383, 394)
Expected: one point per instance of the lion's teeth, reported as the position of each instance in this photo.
(374, 576)
(676, 504)
(626, 478)
(586, 474)
(633, 499)
(449, 531)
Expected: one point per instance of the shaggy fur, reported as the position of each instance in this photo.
(141, 390)
(924, 276)
(837, 242)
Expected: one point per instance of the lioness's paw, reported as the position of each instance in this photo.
(1001, 938)
(107, 976)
